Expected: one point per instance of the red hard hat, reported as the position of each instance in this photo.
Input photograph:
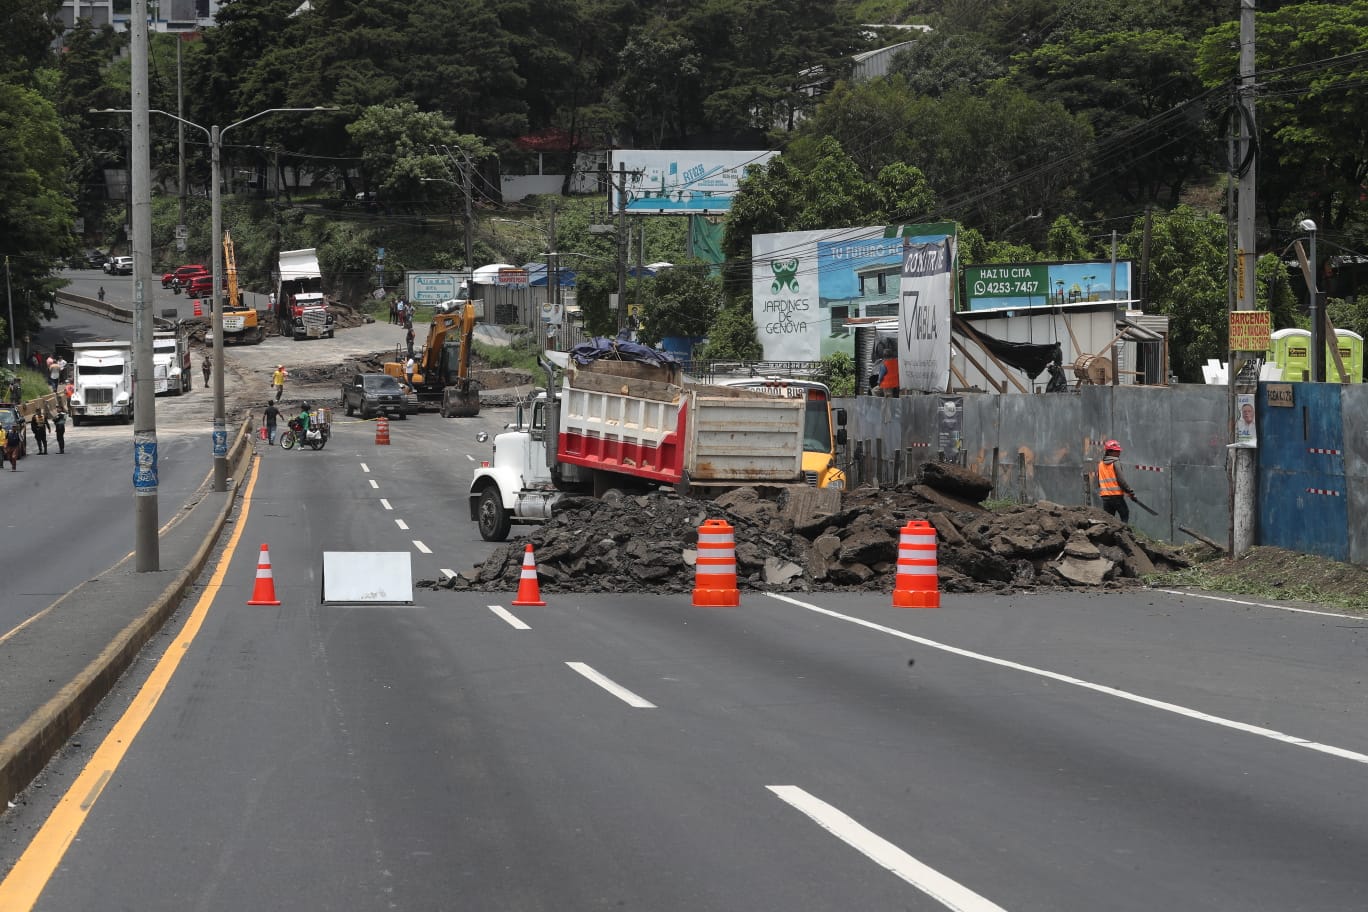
(1112, 445)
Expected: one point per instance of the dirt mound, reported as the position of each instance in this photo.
(645, 543)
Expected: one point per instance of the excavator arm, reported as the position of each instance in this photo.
(461, 398)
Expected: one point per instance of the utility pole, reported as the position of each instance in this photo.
(1244, 463)
(621, 238)
(146, 547)
(180, 134)
(469, 218)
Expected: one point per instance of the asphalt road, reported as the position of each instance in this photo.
(1123, 752)
(69, 517)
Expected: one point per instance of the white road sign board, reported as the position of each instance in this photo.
(433, 287)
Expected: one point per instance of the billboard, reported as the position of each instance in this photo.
(810, 288)
(434, 287)
(677, 183)
(1020, 286)
(928, 302)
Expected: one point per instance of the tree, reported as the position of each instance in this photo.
(1313, 116)
(26, 40)
(1135, 89)
(941, 61)
(732, 335)
(683, 303)
(398, 150)
(36, 212)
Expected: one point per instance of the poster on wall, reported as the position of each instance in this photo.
(809, 289)
(927, 305)
(689, 182)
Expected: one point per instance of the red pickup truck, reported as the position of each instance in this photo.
(181, 275)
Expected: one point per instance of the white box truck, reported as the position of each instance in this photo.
(102, 377)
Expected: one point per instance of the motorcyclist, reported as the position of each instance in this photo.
(302, 431)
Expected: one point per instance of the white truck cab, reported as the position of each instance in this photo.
(102, 378)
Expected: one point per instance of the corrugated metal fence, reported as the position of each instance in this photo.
(1313, 476)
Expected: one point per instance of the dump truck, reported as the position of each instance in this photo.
(625, 425)
(823, 426)
(171, 366)
(441, 376)
(301, 306)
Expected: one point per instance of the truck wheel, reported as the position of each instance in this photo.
(75, 420)
(494, 520)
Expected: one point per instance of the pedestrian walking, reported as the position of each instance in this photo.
(278, 381)
(409, 366)
(408, 340)
(207, 367)
(16, 390)
(400, 308)
(269, 416)
(55, 373)
(69, 390)
(39, 424)
(59, 425)
(1111, 484)
(13, 438)
(394, 310)
(100, 294)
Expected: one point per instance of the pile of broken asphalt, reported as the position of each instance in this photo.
(647, 542)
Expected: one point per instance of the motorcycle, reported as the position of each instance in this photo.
(316, 437)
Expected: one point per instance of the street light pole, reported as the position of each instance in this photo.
(215, 136)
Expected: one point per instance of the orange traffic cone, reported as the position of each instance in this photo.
(715, 571)
(529, 593)
(198, 311)
(264, 593)
(916, 585)
(382, 431)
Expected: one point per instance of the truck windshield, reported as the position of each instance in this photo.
(817, 426)
(164, 346)
(90, 370)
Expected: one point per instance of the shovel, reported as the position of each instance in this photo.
(1144, 506)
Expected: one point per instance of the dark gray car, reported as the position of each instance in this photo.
(374, 394)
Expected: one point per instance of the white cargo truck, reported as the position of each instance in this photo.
(171, 367)
(102, 378)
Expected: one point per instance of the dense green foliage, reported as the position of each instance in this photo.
(1041, 126)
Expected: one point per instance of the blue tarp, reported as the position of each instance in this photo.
(620, 349)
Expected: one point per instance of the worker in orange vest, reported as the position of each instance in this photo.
(885, 379)
(1111, 484)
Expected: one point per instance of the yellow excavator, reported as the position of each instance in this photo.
(441, 372)
(240, 323)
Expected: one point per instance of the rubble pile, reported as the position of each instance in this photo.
(646, 543)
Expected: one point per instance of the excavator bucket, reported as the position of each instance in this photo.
(460, 403)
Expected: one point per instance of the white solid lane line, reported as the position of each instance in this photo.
(507, 615)
(1200, 716)
(386, 504)
(401, 524)
(1235, 601)
(617, 690)
(885, 854)
(421, 547)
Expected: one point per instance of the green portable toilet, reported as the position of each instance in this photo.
(1351, 353)
(1290, 349)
